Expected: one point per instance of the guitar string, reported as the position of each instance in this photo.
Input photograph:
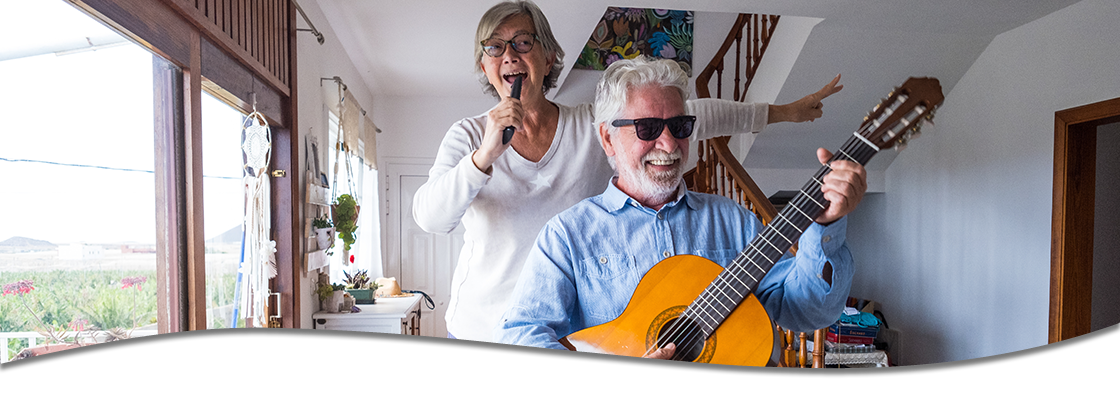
(692, 337)
(770, 232)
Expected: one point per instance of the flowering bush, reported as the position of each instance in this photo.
(25, 287)
(67, 307)
(133, 280)
(21, 288)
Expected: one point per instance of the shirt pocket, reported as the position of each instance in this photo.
(722, 257)
(604, 285)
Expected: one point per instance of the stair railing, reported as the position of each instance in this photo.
(719, 172)
(758, 29)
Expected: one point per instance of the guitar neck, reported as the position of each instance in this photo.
(739, 279)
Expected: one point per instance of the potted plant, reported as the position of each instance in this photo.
(324, 231)
(360, 287)
(345, 215)
(330, 295)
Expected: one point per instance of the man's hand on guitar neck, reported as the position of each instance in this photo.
(843, 187)
(663, 353)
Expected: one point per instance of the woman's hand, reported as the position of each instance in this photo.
(807, 108)
(508, 112)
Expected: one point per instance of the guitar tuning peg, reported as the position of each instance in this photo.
(900, 146)
(913, 133)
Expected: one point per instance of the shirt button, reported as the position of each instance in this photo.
(602, 260)
(826, 239)
(666, 254)
(660, 216)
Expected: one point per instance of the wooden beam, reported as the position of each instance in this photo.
(255, 57)
(167, 85)
(196, 240)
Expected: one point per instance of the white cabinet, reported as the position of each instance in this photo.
(397, 315)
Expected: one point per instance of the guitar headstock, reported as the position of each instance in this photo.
(898, 118)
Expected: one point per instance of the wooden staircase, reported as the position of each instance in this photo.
(717, 170)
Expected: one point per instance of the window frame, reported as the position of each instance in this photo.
(194, 57)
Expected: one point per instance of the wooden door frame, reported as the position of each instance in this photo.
(1071, 246)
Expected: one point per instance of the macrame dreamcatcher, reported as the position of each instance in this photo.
(258, 259)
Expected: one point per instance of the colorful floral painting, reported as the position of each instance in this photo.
(625, 33)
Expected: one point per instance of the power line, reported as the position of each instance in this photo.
(102, 167)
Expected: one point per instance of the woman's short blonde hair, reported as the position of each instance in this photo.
(501, 12)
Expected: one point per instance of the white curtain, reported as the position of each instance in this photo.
(369, 143)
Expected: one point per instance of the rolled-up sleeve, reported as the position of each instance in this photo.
(795, 292)
(715, 117)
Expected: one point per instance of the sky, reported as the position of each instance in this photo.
(95, 108)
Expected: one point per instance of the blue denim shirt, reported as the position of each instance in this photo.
(587, 261)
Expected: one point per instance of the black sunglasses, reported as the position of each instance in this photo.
(650, 128)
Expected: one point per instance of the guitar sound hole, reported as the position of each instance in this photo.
(688, 337)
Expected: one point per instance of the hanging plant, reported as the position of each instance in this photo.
(345, 216)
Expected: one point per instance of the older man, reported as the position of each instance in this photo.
(587, 261)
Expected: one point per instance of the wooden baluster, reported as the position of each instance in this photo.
(801, 338)
(781, 346)
(818, 348)
(719, 79)
(738, 52)
(788, 353)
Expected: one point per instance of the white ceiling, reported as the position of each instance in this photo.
(404, 48)
(423, 47)
(31, 28)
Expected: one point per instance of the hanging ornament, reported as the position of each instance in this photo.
(258, 263)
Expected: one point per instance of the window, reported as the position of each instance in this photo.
(76, 154)
(168, 204)
(223, 208)
(362, 181)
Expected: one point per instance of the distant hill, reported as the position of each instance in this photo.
(19, 244)
(233, 235)
(20, 241)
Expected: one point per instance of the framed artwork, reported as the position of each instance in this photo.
(625, 33)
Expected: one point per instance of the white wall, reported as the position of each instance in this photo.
(315, 61)
(958, 248)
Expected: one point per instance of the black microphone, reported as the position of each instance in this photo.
(515, 92)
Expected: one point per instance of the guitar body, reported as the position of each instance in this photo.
(745, 338)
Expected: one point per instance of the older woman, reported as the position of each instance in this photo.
(503, 193)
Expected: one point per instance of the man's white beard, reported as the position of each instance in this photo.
(658, 187)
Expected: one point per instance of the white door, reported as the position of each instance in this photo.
(419, 260)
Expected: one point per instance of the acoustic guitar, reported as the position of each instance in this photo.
(710, 312)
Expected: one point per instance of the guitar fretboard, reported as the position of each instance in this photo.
(742, 276)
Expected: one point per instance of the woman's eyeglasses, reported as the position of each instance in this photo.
(650, 128)
(522, 43)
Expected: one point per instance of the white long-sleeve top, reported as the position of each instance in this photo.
(503, 212)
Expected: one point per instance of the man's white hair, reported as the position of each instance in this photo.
(613, 90)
